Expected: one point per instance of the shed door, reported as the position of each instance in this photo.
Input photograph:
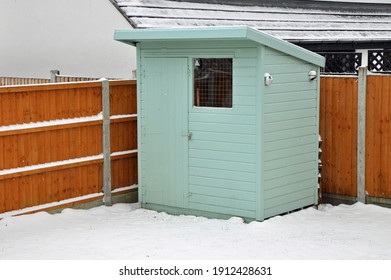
(221, 151)
(164, 137)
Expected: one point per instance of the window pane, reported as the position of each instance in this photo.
(213, 82)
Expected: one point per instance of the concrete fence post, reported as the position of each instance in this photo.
(53, 76)
(361, 129)
(106, 142)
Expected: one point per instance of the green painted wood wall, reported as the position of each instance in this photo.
(255, 160)
(290, 134)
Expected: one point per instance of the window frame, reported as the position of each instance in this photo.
(192, 78)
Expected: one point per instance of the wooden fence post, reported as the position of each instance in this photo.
(361, 129)
(106, 142)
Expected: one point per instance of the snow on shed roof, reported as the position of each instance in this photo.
(295, 20)
(133, 36)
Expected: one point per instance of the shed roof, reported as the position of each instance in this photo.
(133, 36)
(294, 20)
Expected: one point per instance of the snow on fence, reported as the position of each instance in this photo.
(11, 81)
(356, 132)
(55, 77)
(51, 141)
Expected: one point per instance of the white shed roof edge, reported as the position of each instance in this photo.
(134, 36)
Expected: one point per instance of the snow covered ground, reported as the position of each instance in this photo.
(124, 231)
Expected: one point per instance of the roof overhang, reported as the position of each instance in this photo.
(134, 36)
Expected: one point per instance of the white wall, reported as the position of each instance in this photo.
(73, 36)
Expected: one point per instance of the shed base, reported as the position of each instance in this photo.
(184, 211)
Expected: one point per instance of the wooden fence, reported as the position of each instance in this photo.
(11, 81)
(339, 130)
(51, 141)
(55, 77)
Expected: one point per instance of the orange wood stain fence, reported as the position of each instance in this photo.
(338, 128)
(73, 148)
(51, 141)
(378, 137)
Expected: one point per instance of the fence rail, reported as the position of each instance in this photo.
(339, 129)
(51, 141)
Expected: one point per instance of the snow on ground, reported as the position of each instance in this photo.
(124, 231)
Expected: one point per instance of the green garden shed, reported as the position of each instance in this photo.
(227, 121)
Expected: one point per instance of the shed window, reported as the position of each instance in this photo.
(212, 82)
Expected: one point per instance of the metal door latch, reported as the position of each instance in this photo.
(189, 135)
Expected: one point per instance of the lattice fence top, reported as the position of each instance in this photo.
(379, 60)
(342, 62)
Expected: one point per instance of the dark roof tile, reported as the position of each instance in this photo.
(291, 20)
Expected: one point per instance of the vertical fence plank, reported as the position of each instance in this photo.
(384, 179)
(2, 196)
(378, 133)
(386, 187)
(40, 181)
(2, 153)
(325, 133)
(377, 149)
(47, 177)
(8, 195)
(35, 196)
(55, 186)
(335, 132)
(370, 134)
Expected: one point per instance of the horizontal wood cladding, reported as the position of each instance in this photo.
(290, 134)
(222, 183)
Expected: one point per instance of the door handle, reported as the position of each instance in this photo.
(189, 135)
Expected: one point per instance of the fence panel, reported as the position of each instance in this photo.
(378, 135)
(38, 103)
(51, 141)
(11, 81)
(338, 129)
(55, 78)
